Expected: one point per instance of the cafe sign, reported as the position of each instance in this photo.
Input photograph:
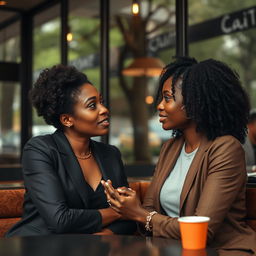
(226, 24)
(243, 20)
(229, 23)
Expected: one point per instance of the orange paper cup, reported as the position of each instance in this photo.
(193, 231)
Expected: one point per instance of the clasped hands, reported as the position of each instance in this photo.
(123, 200)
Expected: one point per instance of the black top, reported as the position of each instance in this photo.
(97, 198)
(58, 199)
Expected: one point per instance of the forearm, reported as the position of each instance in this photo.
(140, 215)
(108, 216)
(160, 225)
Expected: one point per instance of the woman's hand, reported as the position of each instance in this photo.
(125, 201)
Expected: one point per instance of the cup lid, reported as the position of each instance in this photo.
(193, 219)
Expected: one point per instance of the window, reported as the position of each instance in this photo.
(10, 115)
(237, 48)
(135, 128)
(46, 53)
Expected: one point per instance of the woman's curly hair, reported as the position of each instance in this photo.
(55, 92)
(212, 95)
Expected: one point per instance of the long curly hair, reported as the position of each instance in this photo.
(212, 95)
(55, 92)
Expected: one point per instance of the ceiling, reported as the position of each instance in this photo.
(85, 7)
(13, 7)
(89, 8)
(23, 5)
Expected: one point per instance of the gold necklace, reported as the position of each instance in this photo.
(88, 155)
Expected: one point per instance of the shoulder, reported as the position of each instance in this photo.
(226, 143)
(43, 143)
(41, 140)
(226, 152)
(226, 157)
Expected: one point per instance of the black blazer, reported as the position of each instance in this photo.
(57, 196)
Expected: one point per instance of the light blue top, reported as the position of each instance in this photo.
(172, 187)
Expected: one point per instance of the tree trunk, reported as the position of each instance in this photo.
(139, 115)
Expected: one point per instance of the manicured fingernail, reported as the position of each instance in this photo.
(129, 188)
(120, 190)
(106, 183)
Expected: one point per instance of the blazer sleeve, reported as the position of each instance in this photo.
(48, 196)
(226, 178)
(121, 227)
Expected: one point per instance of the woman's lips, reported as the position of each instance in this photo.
(104, 123)
(162, 119)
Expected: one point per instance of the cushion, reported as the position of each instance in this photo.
(6, 224)
(11, 203)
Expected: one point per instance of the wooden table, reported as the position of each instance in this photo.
(92, 245)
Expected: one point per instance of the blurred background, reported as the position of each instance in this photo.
(39, 34)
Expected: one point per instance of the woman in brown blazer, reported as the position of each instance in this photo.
(201, 170)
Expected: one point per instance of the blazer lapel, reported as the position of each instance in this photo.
(169, 160)
(71, 165)
(193, 169)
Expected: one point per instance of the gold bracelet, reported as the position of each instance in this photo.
(148, 227)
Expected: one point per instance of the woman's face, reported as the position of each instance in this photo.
(90, 117)
(171, 112)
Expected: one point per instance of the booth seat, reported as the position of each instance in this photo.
(11, 204)
(11, 201)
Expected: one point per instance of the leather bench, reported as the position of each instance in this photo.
(11, 204)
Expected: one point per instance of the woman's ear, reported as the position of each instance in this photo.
(66, 120)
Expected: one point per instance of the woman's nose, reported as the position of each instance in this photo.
(160, 106)
(103, 110)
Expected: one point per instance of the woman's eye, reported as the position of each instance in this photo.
(168, 98)
(92, 105)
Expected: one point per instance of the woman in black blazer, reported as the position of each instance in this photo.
(62, 171)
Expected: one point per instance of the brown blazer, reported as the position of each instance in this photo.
(214, 187)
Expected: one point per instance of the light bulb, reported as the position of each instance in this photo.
(69, 37)
(149, 100)
(135, 8)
